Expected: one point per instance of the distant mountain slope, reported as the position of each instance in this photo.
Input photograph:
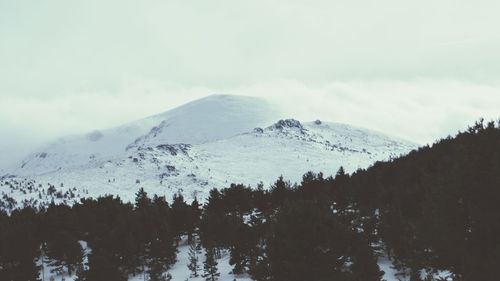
(204, 144)
(207, 119)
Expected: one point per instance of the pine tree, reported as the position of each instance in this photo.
(80, 273)
(193, 218)
(279, 191)
(193, 258)
(180, 215)
(20, 247)
(308, 243)
(141, 199)
(64, 252)
(210, 266)
(104, 266)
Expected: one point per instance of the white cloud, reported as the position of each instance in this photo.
(418, 110)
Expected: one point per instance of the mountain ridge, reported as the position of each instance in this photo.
(204, 144)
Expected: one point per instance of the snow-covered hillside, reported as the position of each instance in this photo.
(208, 119)
(204, 144)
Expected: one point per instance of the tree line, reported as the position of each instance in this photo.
(437, 208)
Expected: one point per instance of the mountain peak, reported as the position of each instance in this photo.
(215, 102)
(211, 118)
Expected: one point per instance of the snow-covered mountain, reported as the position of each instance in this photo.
(208, 119)
(204, 144)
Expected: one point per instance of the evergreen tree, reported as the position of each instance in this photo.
(20, 247)
(64, 252)
(364, 262)
(193, 265)
(309, 243)
(141, 199)
(210, 271)
(80, 273)
(104, 266)
(279, 191)
(181, 216)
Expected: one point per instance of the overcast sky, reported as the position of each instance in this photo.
(414, 69)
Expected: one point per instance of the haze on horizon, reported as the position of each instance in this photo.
(419, 70)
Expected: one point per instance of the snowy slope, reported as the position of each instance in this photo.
(207, 143)
(208, 119)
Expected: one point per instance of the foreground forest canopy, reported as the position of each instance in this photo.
(437, 208)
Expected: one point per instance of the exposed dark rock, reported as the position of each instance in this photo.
(288, 123)
(174, 149)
